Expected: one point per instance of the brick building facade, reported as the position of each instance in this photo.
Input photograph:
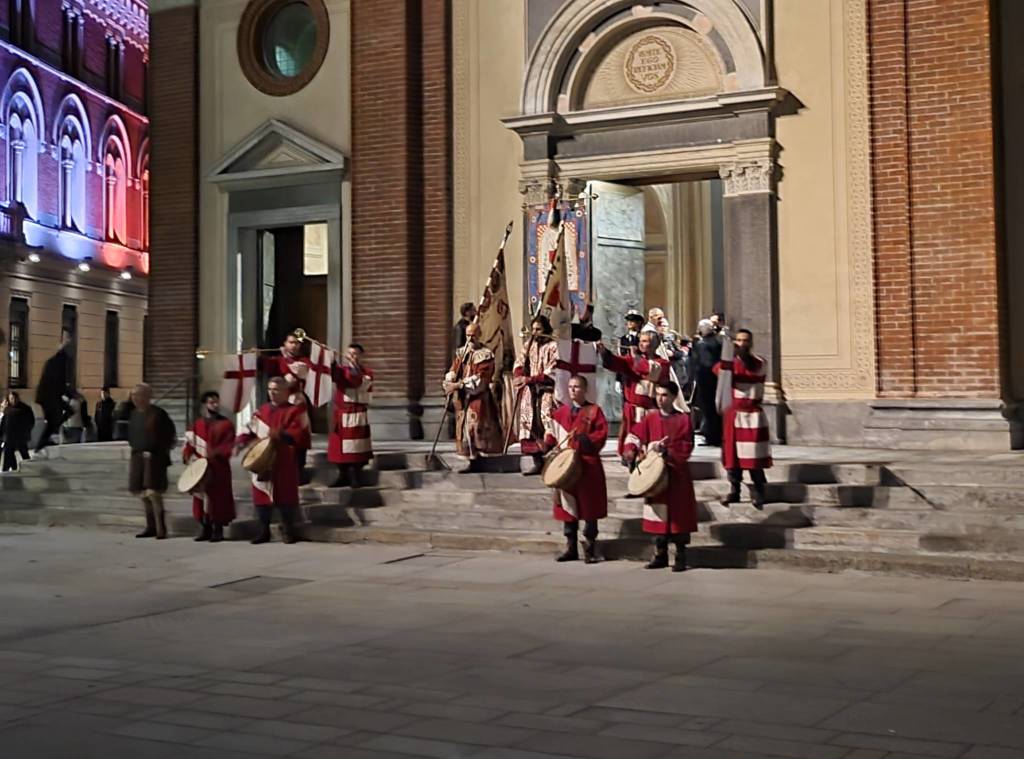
(74, 213)
(878, 287)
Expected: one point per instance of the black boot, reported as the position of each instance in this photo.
(680, 563)
(354, 480)
(205, 531)
(589, 552)
(150, 531)
(572, 550)
(288, 525)
(264, 514)
(660, 559)
(757, 491)
(159, 516)
(218, 533)
(735, 478)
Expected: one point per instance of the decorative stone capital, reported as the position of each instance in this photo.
(746, 177)
(536, 191)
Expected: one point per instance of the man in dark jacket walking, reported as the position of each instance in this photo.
(105, 416)
(16, 422)
(53, 387)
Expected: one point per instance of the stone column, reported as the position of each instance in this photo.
(17, 169)
(111, 195)
(67, 168)
(751, 268)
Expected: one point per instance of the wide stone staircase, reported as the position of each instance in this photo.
(916, 515)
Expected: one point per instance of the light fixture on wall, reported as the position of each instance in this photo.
(126, 273)
(34, 258)
(85, 264)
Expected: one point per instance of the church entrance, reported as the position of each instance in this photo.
(656, 245)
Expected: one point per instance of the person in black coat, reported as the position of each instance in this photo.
(53, 387)
(105, 416)
(15, 430)
(706, 353)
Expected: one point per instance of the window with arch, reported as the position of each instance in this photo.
(115, 184)
(73, 159)
(144, 179)
(22, 155)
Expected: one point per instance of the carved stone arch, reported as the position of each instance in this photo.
(115, 130)
(142, 163)
(572, 32)
(22, 85)
(73, 110)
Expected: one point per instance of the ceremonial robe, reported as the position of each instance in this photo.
(477, 420)
(288, 367)
(151, 436)
(586, 429)
(674, 511)
(536, 363)
(213, 439)
(746, 439)
(349, 441)
(289, 424)
(639, 376)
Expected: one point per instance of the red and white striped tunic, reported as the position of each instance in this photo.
(746, 438)
(349, 441)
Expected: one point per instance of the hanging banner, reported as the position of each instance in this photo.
(541, 239)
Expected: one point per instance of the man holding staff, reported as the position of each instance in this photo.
(672, 514)
(534, 383)
(468, 384)
(581, 426)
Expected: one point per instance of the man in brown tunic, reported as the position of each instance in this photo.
(152, 436)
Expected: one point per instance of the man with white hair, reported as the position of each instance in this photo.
(152, 436)
(707, 352)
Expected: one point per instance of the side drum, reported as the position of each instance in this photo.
(562, 470)
(649, 479)
(193, 479)
(259, 459)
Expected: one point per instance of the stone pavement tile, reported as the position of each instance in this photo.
(715, 752)
(254, 708)
(330, 698)
(1005, 705)
(171, 670)
(319, 683)
(398, 744)
(10, 697)
(252, 691)
(411, 694)
(710, 702)
(671, 735)
(781, 732)
(180, 683)
(461, 712)
(79, 673)
(254, 744)
(867, 753)
(8, 655)
(725, 683)
(130, 678)
(548, 722)
(514, 753)
(87, 662)
(805, 673)
(140, 694)
(592, 746)
(465, 732)
(162, 731)
(493, 700)
(250, 678)
(15, 713)
(906, 745)
(346, 752)
(920, 695)
(353, 719)
(43, 742)
(63, 686)
(773, 747)
(630, 716)
(296, 731)
(992, 752)
(925, 723)
(189, 718)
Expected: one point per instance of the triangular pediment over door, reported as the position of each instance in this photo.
(277, 155)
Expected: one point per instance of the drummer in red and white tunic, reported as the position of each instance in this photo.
(349, 445)
(640, 373)
(212, 437)
(288, 426)
(672, 515)
(746, 438)
(581, 426)
(293, 367)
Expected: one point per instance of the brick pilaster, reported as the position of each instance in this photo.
(174, 212)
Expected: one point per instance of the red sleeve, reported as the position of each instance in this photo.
(598, 434)
(296, 428)
(679, 445)
(223, 439)
(188, 451)
(340, 375)
(617, 364)
(640, 431)
(485, 370)
(743, 375)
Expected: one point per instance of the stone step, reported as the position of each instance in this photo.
(957, 567)
(953, 474)
(854, 538)
(963, 498)
(994, 541)
(920, 520)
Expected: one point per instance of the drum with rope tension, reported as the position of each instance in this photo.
(259, 459)
(649, 478)
(562, 470)
(193, 479)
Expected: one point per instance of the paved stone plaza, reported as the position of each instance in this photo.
(113, 647)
